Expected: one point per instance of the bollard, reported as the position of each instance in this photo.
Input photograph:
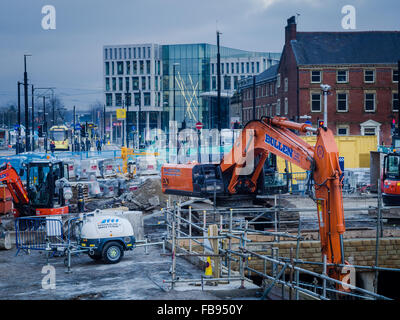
(81, 200)
(190, 229)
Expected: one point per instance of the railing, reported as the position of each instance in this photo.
(182, 223)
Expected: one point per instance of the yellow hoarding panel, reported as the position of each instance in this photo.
(354, 149)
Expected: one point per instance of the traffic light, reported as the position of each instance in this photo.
(83, 130)
(40, 131)
(393, 123)
(320, 123)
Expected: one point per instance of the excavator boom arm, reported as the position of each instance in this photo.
(275, 135)
(10, 177)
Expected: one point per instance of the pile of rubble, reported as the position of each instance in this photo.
(147, 196)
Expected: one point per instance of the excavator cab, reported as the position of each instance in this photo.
(391, 179)
(43, 186)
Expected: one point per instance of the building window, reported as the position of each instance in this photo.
(369, 76)
(369, 131)
(135, 83)
(278, 107)
(149, 83)
(129, 53)
(112, 70)
(212, 68)
(127, 84)
(124, 53)
(134, 67)
(286, 106)
(222, 67)
(143, 83)
(105, 54)
(148, 67)
(258, 67)
(278, 80)
(369, 102)
(108, 99)
(146, 97)
(316, 76)
(141, 63)
(107, 68)
(120, 67)
(139, 52)
(134, 53)
(107, 84)
(128, 67)
(248, 67)
(341, 76)
(110, 51)
(343, 130)
(118, 99)
(137, 99)
(232, 67)
(315, 102)
(114, 84)
(120, 53)
(120, 83)
(242, 67)
(115, 53)
(148, 52)
(395, 101)
(214, 83)
(237, 67)
(395, 75)
(252, 67)
(342, 105)
(286, 85)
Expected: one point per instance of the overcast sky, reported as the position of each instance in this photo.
(70, 57)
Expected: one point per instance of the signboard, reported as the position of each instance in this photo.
(121, 114)
(77, 126)
(341, 165)
(199, 125)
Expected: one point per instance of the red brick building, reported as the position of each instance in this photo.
(360, 68)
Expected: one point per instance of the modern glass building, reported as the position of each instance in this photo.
(161, 83)
(192, 96)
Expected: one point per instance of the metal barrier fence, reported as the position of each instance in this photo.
(182, 223)
(38, 233)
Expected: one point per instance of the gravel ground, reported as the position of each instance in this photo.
(138, 276)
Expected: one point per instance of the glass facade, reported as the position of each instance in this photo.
(182, 91)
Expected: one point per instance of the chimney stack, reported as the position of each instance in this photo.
(290, 30)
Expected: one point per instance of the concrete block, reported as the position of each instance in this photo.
(356, 243)
(367, 242)
(305, 244)
(316, 244)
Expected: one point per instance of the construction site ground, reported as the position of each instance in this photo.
(139, 275)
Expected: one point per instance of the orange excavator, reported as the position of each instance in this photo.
(46, 191)
(240, 171)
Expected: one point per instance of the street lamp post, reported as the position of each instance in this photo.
(18, 145)
(325, 89)
(173, 67)
(33, 120)
(26, 105)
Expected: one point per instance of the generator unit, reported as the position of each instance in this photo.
(106, 236)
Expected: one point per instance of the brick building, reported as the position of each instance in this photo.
(360, 67)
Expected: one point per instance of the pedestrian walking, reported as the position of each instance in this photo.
(98, 145)
(52, 147)
(88, 145)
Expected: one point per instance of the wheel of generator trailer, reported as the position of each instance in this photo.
(112, 252)
(95, 256)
